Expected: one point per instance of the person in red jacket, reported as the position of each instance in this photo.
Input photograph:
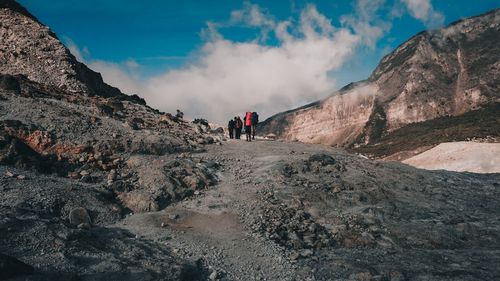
(248, 125)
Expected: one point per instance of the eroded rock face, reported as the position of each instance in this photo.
(447, 72)
(339, 119)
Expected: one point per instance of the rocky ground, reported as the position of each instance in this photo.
(279, 211)
(96, 185)
(71, 165)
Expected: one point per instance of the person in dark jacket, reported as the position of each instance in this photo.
(255, 120)
(238, 126)
(230, 128)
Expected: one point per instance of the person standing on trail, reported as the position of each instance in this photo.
(255, 120)
(238, 125)
(248, 125)
(230, 128)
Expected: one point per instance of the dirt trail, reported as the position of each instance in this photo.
(209, 226)
(293, 211)
(277, 211)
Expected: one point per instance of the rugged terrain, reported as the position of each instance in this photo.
(96, 185)
(281, 211)
(75, 154)
(447, 76)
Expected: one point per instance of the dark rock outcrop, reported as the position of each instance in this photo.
(13, 268)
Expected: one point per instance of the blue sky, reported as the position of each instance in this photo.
(152, 39)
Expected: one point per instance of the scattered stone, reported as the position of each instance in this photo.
(306, 253)
(79, 216)
(294, 256)
(213, 275)
(84, 226)
(139, 201)
(112, 175)
(173, 216)
(322, 158)
(74, 175)
(361, 276)
(10, 174)
(396, 276)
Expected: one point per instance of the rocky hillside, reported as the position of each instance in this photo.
(436, 74)
(30, 48)
(77, 153)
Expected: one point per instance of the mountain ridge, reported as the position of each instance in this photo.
(444, 72)
(44, 59)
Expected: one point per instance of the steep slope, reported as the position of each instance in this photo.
(440, 73)
(29, 48)
(57, 115)
(75, 157)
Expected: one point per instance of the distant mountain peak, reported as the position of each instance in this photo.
(440, 73)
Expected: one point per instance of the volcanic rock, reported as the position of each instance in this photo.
(79, 216)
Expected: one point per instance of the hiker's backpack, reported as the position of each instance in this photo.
(248, 119)
(255, 118)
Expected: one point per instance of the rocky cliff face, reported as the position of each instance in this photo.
(440, 73)
(30, 48)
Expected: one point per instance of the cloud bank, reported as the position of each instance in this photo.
(227, 78)
(233, 77)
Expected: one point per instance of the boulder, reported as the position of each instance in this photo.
(323, 159)
(10, 83)
(79, 216)
(139, 201)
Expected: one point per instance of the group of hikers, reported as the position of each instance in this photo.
(235, 126)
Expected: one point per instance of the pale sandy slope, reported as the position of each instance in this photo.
(460, 156)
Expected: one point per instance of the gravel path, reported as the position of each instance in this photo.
(211, 226)
(278, 211)
(384, 221)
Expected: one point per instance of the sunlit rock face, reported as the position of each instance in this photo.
(336, 120)
(445, 72)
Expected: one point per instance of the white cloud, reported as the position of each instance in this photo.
(366, 22)
(367, 9)
(423, 11)
(229, 78)
(252, 15)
